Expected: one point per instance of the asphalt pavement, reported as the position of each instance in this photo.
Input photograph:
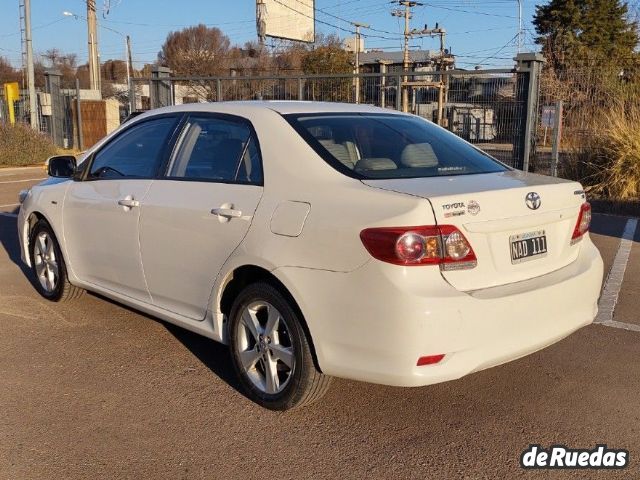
(92, 389)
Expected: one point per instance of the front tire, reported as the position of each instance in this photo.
(271, 352)
(48, 266)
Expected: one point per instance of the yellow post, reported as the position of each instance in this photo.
(12, 95)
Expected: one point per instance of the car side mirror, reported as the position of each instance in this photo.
(61, 166)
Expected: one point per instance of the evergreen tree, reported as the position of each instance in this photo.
(586, 32)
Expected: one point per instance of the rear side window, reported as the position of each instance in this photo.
(136, 153)
(380, 146)
(215, 149)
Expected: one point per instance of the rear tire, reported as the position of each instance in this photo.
(271, 352)
(47, 264)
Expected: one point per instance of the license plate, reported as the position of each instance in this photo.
(528, 246)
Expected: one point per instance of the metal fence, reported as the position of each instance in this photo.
(574, 103)
(54, 111)
(495, 109)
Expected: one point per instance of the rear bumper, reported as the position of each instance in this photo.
(374, 323)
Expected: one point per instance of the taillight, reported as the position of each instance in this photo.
(413, 246)
(583, 223)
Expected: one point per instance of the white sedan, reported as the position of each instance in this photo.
(318, 240)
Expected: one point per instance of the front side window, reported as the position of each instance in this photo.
(381, 146)
(136, 153)
(215, 149)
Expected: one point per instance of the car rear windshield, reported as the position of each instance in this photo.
(387, 146)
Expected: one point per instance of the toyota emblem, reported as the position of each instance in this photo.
(533, 201)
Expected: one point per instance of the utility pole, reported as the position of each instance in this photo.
(261, 24)
(358, 25)
(33, 101)
(94, 58)
(408, 34)
(406, 13)
(129, 60)
(443, 64)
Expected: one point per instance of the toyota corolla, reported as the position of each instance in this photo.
(318, 240)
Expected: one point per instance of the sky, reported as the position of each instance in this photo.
(479, 32)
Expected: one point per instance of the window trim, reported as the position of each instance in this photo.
(292, 119)
(166, 149)
(253, 135)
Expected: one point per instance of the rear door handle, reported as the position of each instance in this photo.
(128, 203)
(228, 213)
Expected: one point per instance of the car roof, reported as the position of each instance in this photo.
(281, 106)
(297, 106)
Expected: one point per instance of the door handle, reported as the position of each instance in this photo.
(128, 202)
(228, 213)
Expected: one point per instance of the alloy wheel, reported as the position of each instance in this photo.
(265, 349)
(46, 262)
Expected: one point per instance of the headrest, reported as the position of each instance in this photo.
(419, 155)
(375, 164)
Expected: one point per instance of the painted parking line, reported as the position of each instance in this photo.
(12, 171)
(23, 181)
(10, 205)
(609, 298)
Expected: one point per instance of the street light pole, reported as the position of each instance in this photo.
(520, 28)
(358, 25)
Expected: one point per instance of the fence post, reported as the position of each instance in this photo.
(218, 90)
(399, 93)
(557, 137)
(528, 68)
(52, 87)
(79, 117)
(300, 89)
(160, 91)
(383, 82)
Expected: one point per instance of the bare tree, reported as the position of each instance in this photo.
(7, 72)
(65, 63)
(198, 50)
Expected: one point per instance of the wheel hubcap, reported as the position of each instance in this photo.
(46, 262)
(264, 346)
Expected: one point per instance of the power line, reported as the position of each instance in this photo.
(331, 24)
(453, 9)
(12, 34)
(500, 49)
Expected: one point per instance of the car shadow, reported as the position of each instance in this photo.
(215, 356)
(9, 241)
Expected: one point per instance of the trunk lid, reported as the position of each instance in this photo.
(491, 211)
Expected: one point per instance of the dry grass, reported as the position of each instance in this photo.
(601, 128)
(20, 145)
(605, 155)
(614, 155)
